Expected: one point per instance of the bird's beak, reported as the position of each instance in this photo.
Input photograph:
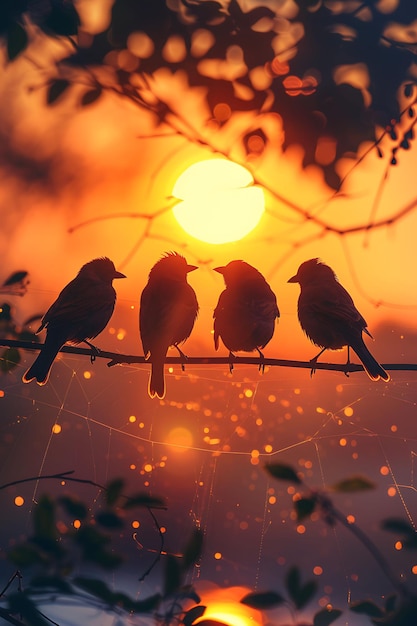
(191, 268)
(293, 279)
(219, 269)
(119, 275)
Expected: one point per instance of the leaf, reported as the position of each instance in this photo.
(91, 96)
(304, 507)
(193, 549)
(10, 358)
(108, 519)
(52, 582)
(354, 483)
(193, 614)
(17, 41)
(367, 607)
(95, 587)
(114, 491)
(142, 499)
(282, 472)
(56, 89)
(172, 575)
(398, 526)
(25, 554)
(300, 594)
(44, 519)
(63, 20)
(16, 277)
(326, 617)
(74, 507)
(263, 600)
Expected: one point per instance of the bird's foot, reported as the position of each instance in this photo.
(261, 366)
(182, 356)
(313, 363)
(231, 359)
(94, 351)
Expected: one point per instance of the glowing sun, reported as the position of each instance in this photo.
(218, 201)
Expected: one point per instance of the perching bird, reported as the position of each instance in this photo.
(329, 317)
(168, 310)
(245, 315)
(81, 311)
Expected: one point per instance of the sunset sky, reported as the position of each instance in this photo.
(78, 183)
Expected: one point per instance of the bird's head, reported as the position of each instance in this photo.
(238, 271)
(102, 269)
(312, 270)
(173, 266)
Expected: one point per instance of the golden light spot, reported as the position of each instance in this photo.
(132, 418)
(19, 501)
(259, 421)
(348, 411)
(243, 525)
(394, 428)
(170, 370)
(301, 529)
(140, 44)
(317, 570)
(254, 461)
(76, 523)
(414, 569)
(121, 334)
(391, 491)
(141, 425)
(179, 437)
(135, 524)
(255, 144)
(272, 499)
(2, 394)
(174, 50)
(339, 388)
(201, 42)
(292, 85)
(384, 470)
(279, 68)
(291, 490)
(112, 331)
(268, 448)
(87, 375)
(398, 545)
(272, 398)
(163, 530)
(222, 112)
(350, 519)
(217, 556)
(218, 201)
(308, 464)
(319, 409)
(56, 429)
(248, 393)
(147, 467)
(255, 453)
(342, 442)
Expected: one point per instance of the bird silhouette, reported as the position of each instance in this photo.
(168, 310)
(329, 317)
(81, 311)
(245, 315)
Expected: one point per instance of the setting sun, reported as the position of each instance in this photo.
(218, 201)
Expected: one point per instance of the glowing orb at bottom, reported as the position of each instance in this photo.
(228, 614)
(179, 438)
(218, 201)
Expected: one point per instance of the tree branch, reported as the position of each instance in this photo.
(116, 358)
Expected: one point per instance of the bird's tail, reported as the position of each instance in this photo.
(374, 370)
(156, 385)
(40, 368)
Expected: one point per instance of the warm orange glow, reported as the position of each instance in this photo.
(219, 201)
(180, 437)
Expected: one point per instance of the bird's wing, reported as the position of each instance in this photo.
(333, 302)
(78, 300)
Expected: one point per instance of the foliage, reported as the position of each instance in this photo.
(335, 74)
(400, 609)
(15, 284)
(58, 548)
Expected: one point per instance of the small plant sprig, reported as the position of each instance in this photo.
(400, 609)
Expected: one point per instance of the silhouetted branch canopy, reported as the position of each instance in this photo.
(336, 74)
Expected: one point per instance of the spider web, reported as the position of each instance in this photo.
(203, 449)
